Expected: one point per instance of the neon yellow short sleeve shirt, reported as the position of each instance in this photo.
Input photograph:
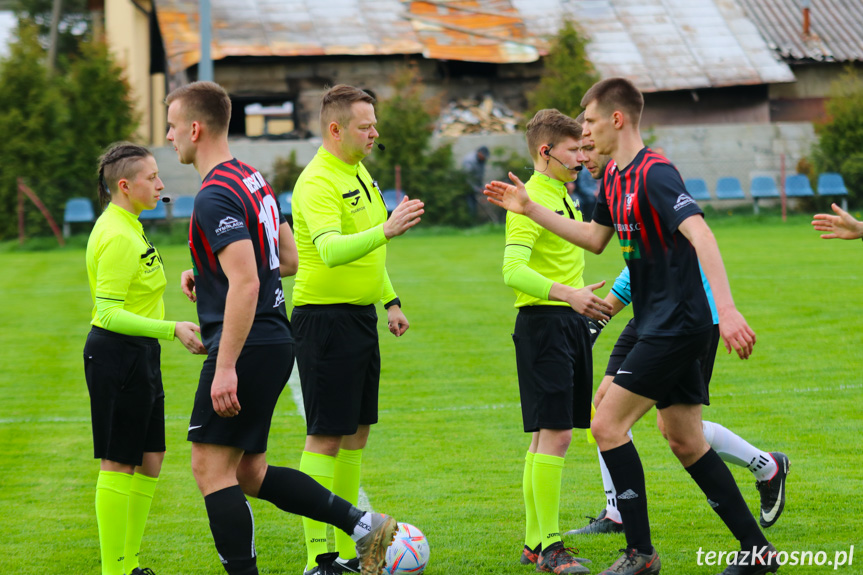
(122, 265)
(334, 197)
(550, 255)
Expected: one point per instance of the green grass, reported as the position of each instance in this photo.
(448, 452)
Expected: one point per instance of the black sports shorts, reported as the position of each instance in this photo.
(339, 360)
(262, 372)
(669, 369)
(628, 337)
(127, 400)
(555, 367)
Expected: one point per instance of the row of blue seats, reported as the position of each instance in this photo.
(764, 187)
(81, 210)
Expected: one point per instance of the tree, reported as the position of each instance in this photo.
(406, 124)
(567, 74)
(840, 144)
(75, 22)
(55, 126)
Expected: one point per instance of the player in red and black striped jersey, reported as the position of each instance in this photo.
(236, 203)
(663, 237)
(241, 247)
(661, 261)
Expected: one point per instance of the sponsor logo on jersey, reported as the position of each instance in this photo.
(630, 250)
(228, 224)
(683, 200)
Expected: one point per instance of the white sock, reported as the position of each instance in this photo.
(611, 511)
(734, 449)
(363, 527)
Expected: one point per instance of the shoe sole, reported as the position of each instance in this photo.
(767, 524)
(375, 559)
(595, 531)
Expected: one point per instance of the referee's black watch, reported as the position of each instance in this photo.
(393, 302)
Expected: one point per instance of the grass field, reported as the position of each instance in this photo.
(448, 452)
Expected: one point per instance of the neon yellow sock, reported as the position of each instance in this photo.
(547, 474)
(346, 484)
(112, 506)
(531, 527)
(141, 493)
(321, 468)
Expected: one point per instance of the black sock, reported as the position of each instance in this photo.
(715, 480)
(233, 530)
(295, 492)
(627, 474)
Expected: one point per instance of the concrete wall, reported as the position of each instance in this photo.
(708, 151)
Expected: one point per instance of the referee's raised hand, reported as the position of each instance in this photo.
(404, 217)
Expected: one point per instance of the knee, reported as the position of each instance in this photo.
(685, 449)
(602, 432)
(250, 476)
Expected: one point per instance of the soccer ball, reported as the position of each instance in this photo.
(409, 553)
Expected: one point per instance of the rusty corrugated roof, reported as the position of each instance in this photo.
(659, 44)
(835, 30)
(665, 44)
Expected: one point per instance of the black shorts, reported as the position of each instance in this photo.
(668, 369)
(555, 367)
(262, 372)
(628, 337)
(339, 360)
(127, 400)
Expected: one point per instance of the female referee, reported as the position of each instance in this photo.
(121, 356)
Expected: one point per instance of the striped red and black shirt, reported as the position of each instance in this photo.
(645, 202)
(236, 203)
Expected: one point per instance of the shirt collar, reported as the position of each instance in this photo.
(549, 184)
(129, 216)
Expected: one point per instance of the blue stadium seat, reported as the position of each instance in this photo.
(392, 199)
(832, 184)
(797, 186)
(763, 187)
(697, 188)
(182, 207)
(285, 203)
(157, 213)
(729, 189)
(77, 210)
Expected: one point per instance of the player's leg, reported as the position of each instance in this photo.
(532, 537)
(346, 477)
(554, 373)
(769, 469)
(683, 427)
(143, 486)
(120, 383)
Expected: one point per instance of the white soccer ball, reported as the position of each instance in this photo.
(409, 553)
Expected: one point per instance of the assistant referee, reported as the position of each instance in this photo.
(341, 227)
(121, 356)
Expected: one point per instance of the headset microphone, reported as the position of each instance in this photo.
(381, 147)
(167, 199)
(577, 168)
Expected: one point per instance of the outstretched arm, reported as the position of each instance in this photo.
(842, 225)
(590, 236)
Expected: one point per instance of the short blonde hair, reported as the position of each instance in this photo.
(336, 104)
(550, 126)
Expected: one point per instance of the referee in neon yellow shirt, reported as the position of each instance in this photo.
(342, 229)
(121, 356)
(551, 335)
